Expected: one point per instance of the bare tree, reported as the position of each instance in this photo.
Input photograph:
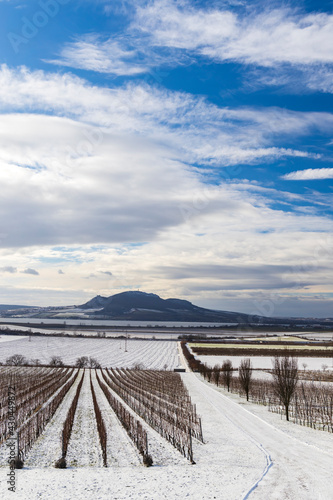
(227, 373)
(17, 360)
(93, 363)
(216, 374)
(245, 375)
(35, 362)
(285, 378)
(56, 361)
(209, 373)
(82, 362)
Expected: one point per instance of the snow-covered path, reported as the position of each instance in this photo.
(236, 461)
(298, 470)
(84, 447)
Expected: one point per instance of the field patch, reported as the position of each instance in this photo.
(258, 349)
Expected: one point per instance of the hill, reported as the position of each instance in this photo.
(134, 305)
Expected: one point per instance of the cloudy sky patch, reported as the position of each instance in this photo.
(151, 145)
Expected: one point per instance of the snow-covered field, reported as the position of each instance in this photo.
(153, 354)
(248, 453)
(86, 332)
(10, 338)
(265, 362)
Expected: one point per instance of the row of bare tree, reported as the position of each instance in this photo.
(100, 424)
(285, 378)
(68, 424)
(81, 362)
(29, 431)
(161, 399)
(31, 392)
(309, 404)
(285, 375)
(131, 424)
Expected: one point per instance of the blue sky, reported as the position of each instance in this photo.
(177, 147)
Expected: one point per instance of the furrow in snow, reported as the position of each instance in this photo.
(84, 449)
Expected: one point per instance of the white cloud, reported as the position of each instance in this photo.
(191, 128)
(115, 165)
(309, 174)
(96, 179)
(104, 56)
(273, 36)
(282, 42)
(300, 78)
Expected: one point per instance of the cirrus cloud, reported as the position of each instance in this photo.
(309, 174)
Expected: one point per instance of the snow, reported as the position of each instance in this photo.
(265, 362)
(47, 448)
(162, 451)
(301, 457)
(10, 338)
(84, 448)
(120, 450)
(153, 354)
(248, 453)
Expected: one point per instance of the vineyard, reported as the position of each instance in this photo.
(311, 404)
(41, 405)
(258, 348)
(86, 433)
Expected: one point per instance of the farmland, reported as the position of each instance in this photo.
(261, 348)
(265, 362)
(141, 400)
(111, 352)
(121, 415)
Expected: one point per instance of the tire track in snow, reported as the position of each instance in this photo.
(301, 470)
(269, 462)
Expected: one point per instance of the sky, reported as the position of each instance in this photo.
(182, 148)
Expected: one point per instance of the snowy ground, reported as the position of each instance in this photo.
(159, 354)
(249, 453)
(10, 338)
(265, 362)
(47, 448)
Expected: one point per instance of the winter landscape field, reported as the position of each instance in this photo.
(158, 354)
(166, 174)
(247, 451)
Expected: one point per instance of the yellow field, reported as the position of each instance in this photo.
(277, 339)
